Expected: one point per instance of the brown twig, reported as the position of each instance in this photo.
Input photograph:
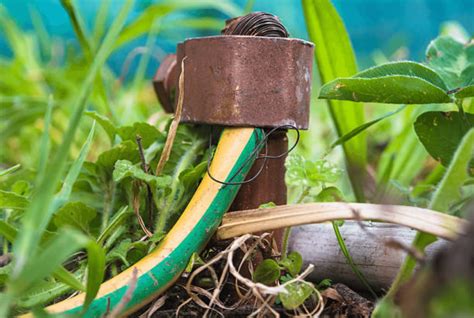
(174, 124)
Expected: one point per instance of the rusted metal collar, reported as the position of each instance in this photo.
(236, 80)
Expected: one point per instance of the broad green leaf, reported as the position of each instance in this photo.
(405, 68)
(267, 272)
(440, 133)
(11, 200)
(125, 150)
(10, 170)
(39, 213)
(147, 132)
(465, 92)
(363, 127)
(292, 263)
(105, 122)
(393, 89)
(335, 58)
(76, 215)
(452, 60)
(118, 219)
(125, 169)
(297, 293)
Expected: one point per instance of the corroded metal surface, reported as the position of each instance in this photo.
(247, 81)
(165, 81)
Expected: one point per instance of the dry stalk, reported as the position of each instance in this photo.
(136, 210)
(258, 220)
(165, 154)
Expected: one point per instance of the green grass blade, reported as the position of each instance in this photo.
(116, 221)
(59, 248)
(10, 170)
(362, 128)
(73, 173)
(95, 271)
(39, 213)
(78, 26)
(144, 23)
(66, 277)
(61, 274)
(347, 255)
(100, 23)
(44, 143)
(335, 58)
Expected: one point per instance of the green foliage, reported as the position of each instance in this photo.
(83, 212)
(441, 133)
(335, 58)
(454, 61)
(267, 272)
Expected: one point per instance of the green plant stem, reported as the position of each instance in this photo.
(349, 259)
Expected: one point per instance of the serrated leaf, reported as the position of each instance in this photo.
(147, 132)
(440, 133)
(105, 122)
(76, 215)
(393, 89)
(292, 263)
(11, 200)
(452, 60)
(125, 169)
(298, 292)
(267, 272)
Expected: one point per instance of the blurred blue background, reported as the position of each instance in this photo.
(378, 28)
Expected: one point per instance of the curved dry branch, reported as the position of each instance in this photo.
(258, 220)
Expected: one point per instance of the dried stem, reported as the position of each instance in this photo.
(174, 124)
